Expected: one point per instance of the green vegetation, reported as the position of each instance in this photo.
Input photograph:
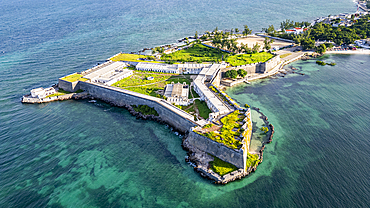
(192, 92)
(74, 77)
(246, 30)
(339, 35)
(267, 43)
(285, 55)
(242, 73)
(139, 82)
(145, 110)
(231, 74)
(203, 109)
(252, 160)
(55, 94)
(229, 131)
(221, 167)
(320, 49)
(264, 129)
(243, 59)
(133, 58)
(321, 63)
(207, 126)
(195, 53)
(141, 78)
(307, 43)
(62, 92)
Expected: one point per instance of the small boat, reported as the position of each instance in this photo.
(92, 101)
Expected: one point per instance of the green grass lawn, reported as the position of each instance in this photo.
(131, 57)
(204, 111)
(134, 83)
(243, 59)
(221, 167)
(74, 77)
(141, 78)
(195, 53)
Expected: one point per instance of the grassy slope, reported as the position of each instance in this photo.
(197, 52)
(221, 167)
(204, 111)
(130, 57)
(74, 77)
(243, 59)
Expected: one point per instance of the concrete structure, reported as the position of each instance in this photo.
(213, 102)
(108, 73)
(42, 93)
(177, 93)
(192, 68)
(261, 67)
(219, 150)
(157, 67)
(235, 157)
(170, 114)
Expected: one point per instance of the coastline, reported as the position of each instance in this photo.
(192, 152)
(350, 52)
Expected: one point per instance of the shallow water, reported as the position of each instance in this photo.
(81, 154)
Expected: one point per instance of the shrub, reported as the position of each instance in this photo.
(264, 129)
(145, 110)
(221, 167)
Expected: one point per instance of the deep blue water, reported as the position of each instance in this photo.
(80, 154)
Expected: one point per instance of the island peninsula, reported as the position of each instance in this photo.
(182, 85)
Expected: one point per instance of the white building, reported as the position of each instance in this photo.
(213, 102)
(177, 93)
(192, 68)
(296, 30)
(157, 67)
(109, 73)
(42, 93)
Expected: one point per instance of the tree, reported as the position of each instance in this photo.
(247, 31)
(307, 43)
(236, 30)
(231, 74)
(196, 35)
(320, 49)
(267, 43)
(242, 72)
(270, 30)
(256, 48)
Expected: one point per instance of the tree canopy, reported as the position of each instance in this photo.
(231, 74)
(242, 72)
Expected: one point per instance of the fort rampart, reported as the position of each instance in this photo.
(219, 150)
(170, 114)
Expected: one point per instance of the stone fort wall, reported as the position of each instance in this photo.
(219, 150)
(260, 67)
(168, 113)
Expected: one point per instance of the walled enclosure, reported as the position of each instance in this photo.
(68, 86)
(121, 98)
(219, 150)
(260, 67)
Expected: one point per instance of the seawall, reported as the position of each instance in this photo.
(207, 145)
(170, 114)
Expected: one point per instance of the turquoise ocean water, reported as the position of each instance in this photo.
(80, 154)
